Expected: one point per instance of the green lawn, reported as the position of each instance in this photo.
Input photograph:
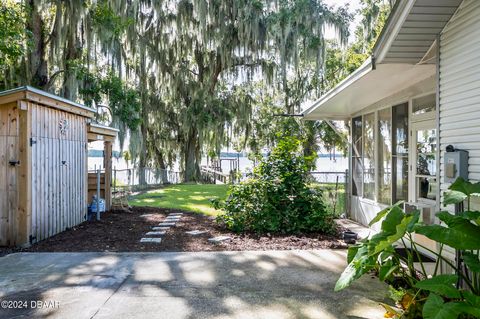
(189, 197)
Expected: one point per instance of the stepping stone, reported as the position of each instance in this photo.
(172, 219)
(219, 239)
(156, 233)
(151, 240)
(164, 224)
(160, 228)
(175, 214)
(196, 232)
(146, 215)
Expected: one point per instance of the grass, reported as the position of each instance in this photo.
(189, 197)
(196, 197)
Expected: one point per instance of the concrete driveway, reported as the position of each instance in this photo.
(272, 284)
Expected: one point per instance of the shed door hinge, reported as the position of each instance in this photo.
(32, 141)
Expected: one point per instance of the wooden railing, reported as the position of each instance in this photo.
(212, 176)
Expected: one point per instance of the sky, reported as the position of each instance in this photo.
(353, 5)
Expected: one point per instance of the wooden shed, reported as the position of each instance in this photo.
(43, 165)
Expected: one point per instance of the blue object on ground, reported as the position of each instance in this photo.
(92, 208)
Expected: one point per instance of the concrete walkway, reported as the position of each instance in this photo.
(273, 284)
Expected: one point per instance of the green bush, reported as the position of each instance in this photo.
(277, 198)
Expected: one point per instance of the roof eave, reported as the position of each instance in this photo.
(366, 67)
(29, 89)
(397, 17)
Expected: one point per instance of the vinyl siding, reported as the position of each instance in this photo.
(460, 87)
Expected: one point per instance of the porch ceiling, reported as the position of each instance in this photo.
(403, 56)
(412, 30)
(366, 88)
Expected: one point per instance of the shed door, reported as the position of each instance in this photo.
(72, 178)
(58, 186)
(45, 188)
(8, 188)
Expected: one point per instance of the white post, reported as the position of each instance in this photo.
(98, 194)
(114, 180)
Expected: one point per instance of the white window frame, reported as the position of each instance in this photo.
(377, 164)
(411, 120)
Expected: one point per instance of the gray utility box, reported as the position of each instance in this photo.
(456, 165)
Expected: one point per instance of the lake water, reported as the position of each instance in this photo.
(324, 164)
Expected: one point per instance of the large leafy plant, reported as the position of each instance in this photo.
(418, 293)
(277, 197)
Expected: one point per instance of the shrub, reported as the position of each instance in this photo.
(276, 198)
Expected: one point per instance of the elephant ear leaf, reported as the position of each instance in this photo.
(461, 233)
(443, 285)
(384, 212)
(379, 216)
(360, 264)
(453, 197)
(472, 215)
(436, 308)
(400, 230)
(465, 187)
(472, 261)
(394, 217)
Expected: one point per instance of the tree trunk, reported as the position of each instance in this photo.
(72, 53)
(160, 163)
(37, 63)
(143, 155)
(192, 157)
(144, 112)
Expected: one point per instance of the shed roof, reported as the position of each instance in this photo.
(403, 55)
(44, 98)
(98, 132)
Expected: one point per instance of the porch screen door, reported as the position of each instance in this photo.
(424, 162)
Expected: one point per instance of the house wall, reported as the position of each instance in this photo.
(59, 170)
(460, 87)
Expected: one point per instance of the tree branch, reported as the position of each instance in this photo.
(52, 79)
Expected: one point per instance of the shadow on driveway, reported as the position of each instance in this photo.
(261, 284)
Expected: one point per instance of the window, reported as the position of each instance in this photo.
(357, 147)
(385, 156)
(424, 104)
(426, 164)
(369, 156)
(400, 152)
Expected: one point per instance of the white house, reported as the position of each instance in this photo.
(418, 93)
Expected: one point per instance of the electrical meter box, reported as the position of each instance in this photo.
(456, 165)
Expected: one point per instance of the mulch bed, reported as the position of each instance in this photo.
(120, 231)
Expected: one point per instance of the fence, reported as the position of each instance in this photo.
(334, 185)
(335, 189)
(143, 178)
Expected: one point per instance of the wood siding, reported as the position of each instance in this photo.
(460, 87)
(58, 171)
(8, 172)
